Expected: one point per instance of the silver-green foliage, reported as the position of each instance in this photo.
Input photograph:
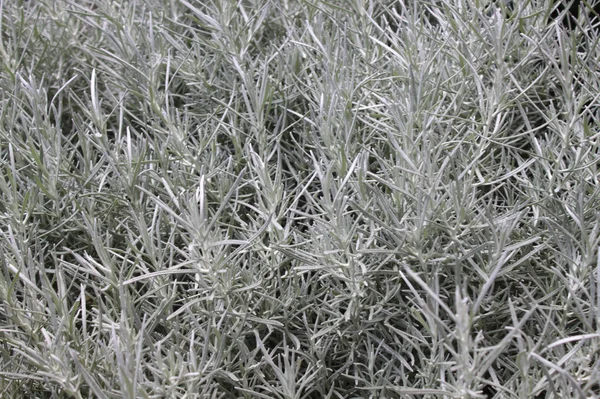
(297, 199)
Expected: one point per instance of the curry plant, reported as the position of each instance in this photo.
(299, 199)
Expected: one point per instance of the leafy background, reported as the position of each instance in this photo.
(298, 199)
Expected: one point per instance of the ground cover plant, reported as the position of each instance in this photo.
(299, 199)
